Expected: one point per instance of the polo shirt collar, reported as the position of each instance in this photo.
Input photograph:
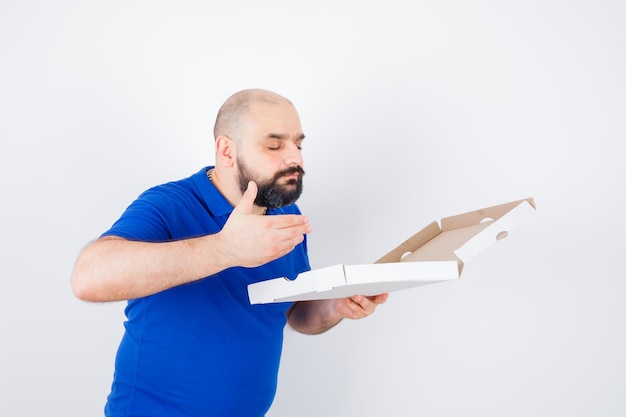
(213, 199)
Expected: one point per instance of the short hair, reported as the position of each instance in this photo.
(237, 106)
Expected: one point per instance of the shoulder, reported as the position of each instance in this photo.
(156, 214)
(181, 189)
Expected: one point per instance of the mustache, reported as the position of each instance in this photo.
(290, 171)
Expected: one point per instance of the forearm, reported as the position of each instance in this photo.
(112, 269)
(313, 317)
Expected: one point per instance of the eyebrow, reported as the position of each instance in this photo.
(283, 136)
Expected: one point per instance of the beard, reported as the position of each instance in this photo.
(271, 194)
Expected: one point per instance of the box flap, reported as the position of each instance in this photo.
(463, 236)
(495, 229)
(412, 244)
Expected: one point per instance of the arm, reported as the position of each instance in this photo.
(112, 268)
(315, 317)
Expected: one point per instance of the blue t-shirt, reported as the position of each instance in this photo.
(199, 349)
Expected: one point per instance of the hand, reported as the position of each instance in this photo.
(359, 306)
(252, 240)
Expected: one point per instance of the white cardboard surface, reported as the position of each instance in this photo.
(496, 230)
(341, 281)
(439, 259)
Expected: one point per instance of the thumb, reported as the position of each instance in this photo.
(247, 199)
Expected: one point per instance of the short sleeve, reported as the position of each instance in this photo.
(146, 219)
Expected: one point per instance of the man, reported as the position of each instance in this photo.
(183, 254)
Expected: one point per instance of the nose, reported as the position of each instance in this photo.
(293, 156)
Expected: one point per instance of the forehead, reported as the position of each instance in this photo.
(272, 118)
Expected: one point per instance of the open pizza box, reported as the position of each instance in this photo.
(437, 253)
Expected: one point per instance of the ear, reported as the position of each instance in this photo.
(225, 151)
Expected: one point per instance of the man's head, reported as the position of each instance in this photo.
(258, 138)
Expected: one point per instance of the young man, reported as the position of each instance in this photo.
(183, 254)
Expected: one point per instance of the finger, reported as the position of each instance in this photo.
(372, 299)
(285, 221)
(380, 298)
(290, 244)
(359, 303)
(350, 308)
(247, 199)
(369, 304)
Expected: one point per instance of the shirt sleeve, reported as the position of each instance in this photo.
(146, 219)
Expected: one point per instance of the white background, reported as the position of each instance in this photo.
(413, 111)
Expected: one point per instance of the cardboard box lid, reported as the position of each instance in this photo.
(434, 254)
